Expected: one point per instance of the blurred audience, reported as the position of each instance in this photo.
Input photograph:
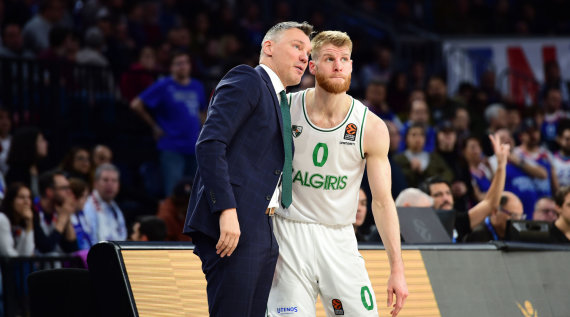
(495, 225)
(27, 149)
(545, 210)
(101, 210)
(361, 211)
(77, 164)
(561, 159)
(418, 164)
(53, 231)
(413, 197)
(16, 222)
(172, 210)
(84, 229)
(177, 104)
(419, 114)
(560, 229)
(5, 138)
(149, 228)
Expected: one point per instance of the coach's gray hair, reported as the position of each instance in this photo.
(411, 197)
(275, 31)
(493, 111)
(106, 167)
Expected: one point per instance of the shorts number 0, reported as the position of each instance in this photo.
(363, 291)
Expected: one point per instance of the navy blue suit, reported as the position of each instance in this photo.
(240, 156)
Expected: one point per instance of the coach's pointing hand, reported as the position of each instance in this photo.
(229, 232)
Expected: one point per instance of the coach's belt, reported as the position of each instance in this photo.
(270, 211)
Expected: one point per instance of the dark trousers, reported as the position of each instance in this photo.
(239, 285)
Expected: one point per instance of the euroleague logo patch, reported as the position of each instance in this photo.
(337, 306)
(296, 130)
(350, 132)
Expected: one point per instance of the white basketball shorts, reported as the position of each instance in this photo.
(316, 259)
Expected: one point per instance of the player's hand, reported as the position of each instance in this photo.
(502, 151)
(397, 286)
(229, 232)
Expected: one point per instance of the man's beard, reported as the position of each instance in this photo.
(331, 87)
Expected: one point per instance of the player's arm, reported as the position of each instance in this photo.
(376, 146)
(491, 201)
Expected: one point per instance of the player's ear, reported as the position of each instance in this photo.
(312, 67)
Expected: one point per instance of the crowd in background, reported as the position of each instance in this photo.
(72, 204)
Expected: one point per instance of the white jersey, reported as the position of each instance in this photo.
(328, 165)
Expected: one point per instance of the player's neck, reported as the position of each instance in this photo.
(325, 109)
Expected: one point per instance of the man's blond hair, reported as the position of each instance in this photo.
(336, 38)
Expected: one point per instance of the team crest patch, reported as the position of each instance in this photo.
(337, 306)
(350, 132)
(296, 129)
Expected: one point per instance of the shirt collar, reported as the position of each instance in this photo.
(275, 81)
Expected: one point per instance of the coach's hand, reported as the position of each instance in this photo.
(229, 232)
(397, 286)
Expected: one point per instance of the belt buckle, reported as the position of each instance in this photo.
(270, 211)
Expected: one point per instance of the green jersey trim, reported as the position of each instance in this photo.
(362, 131)
(321, 129)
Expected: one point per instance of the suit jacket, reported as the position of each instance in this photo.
(239, 152)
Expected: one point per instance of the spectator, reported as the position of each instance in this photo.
(398, 93)
(561, 159)
(84, 229)
(513, 119)
(520, 174)
(360, 215)
(495, 226)
(91, 54)
(380, 68)
(560, 229)
(413, 197)
(12, 42)
(149, 228)
(489, 87)
(545, 210)
(178, 106)
(53, 231)
(447, 149)
(481, 174)
(553, 114)
(173, 209)
(376, 102)
(537, 155)
(461, 123)
(101, 154)
(440, 190)
(77, 164)
(101, 208)
(440, 105)
(419, 114)
(140, 75)
(16, 222)
(63, 46)
(5, 138)
(496, 118)
(36, 31)
(553, 79)
(416, 163)
(27, 149)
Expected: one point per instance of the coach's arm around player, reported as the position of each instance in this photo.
(376, 146)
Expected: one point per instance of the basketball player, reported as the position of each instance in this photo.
(334, 137)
